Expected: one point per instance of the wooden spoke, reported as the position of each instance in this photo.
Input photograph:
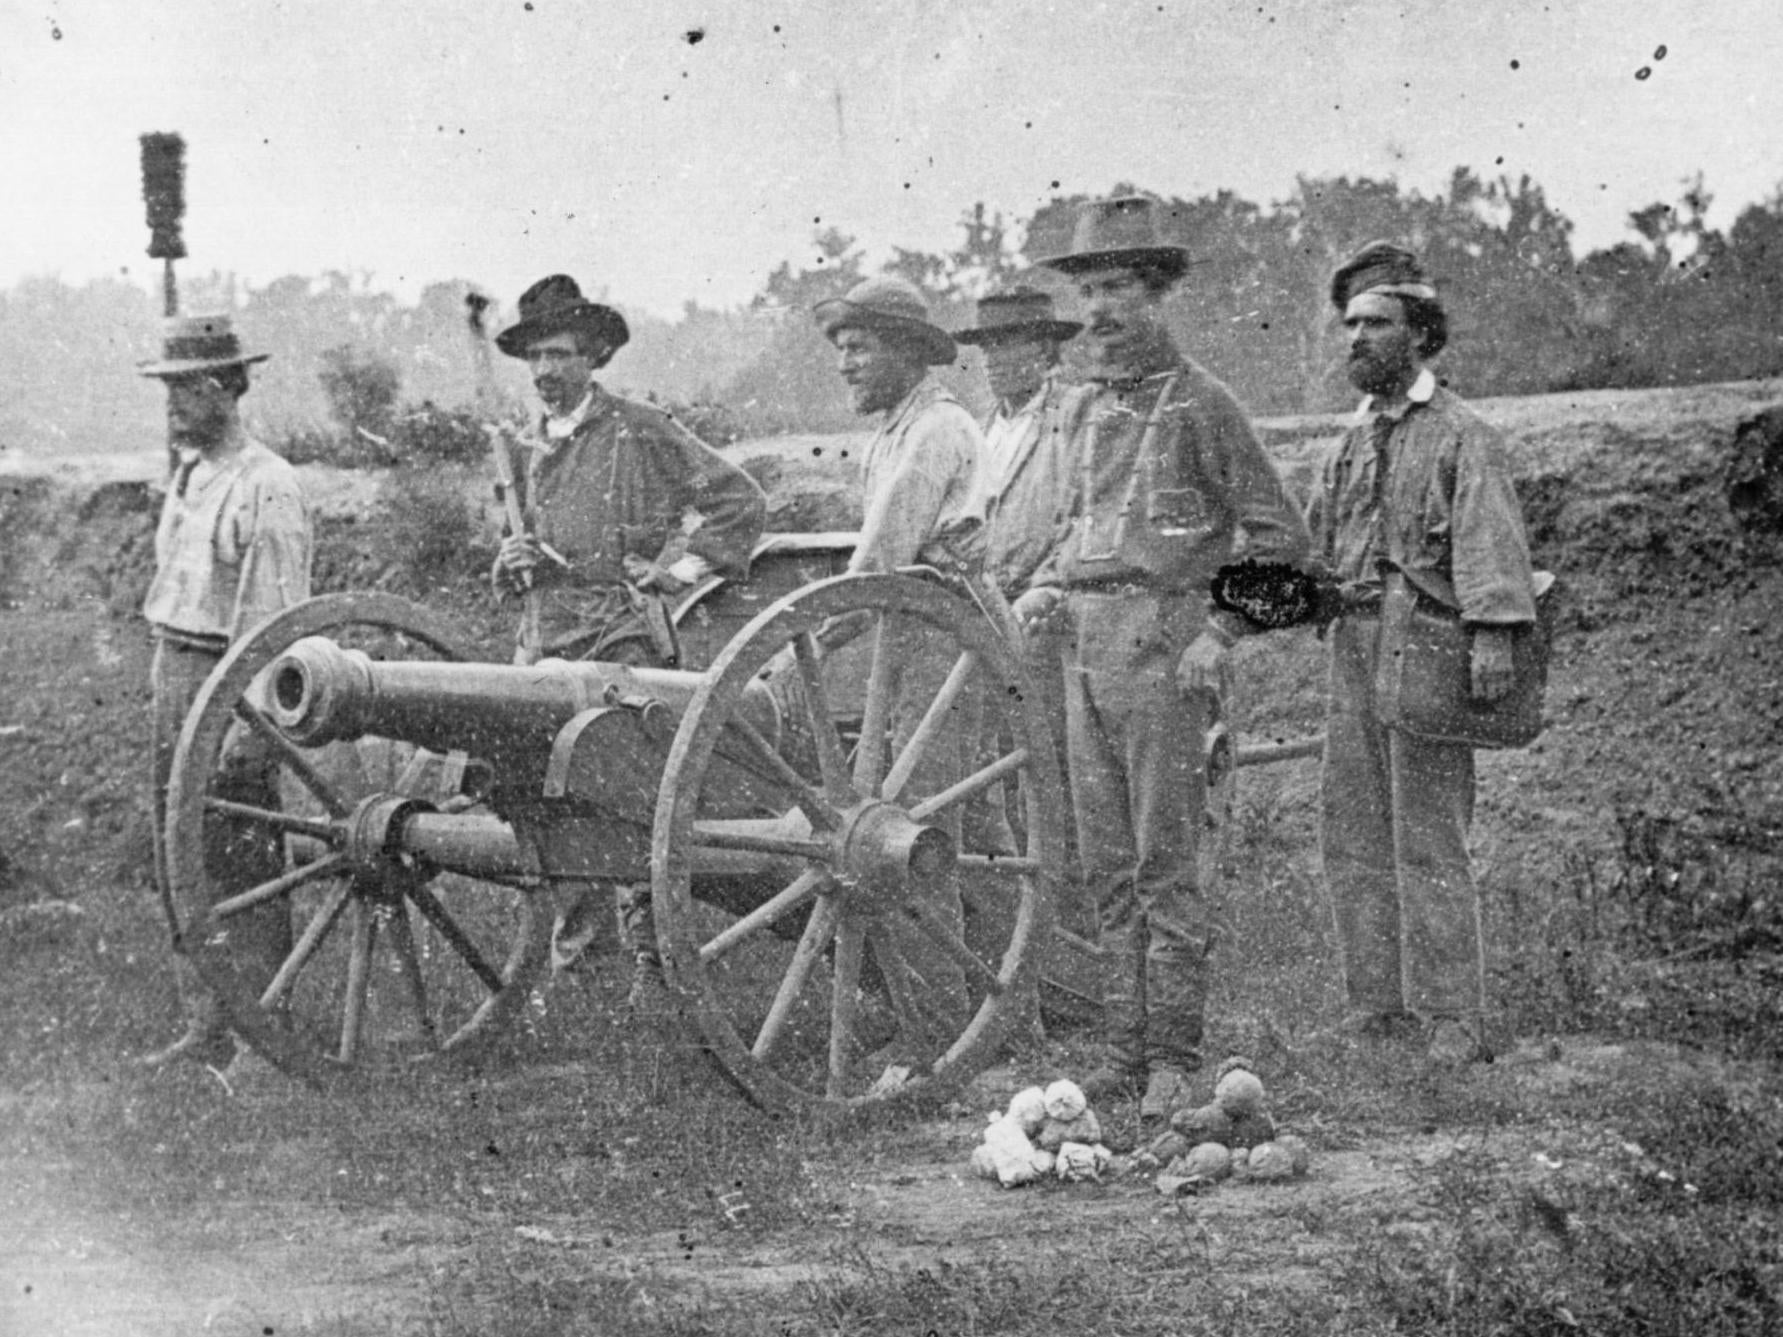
(435, 913)
(708, 838)
(811, 944)
(758, 757)
(314, 933)
(408, 963)
(845, 1003)
(284, 821)
(832, 761)
(934, 720)
(875, 712)
(789, 898)
(365, 938)
(279, 886)
(972, 784)
(930, 920)
(292, 756)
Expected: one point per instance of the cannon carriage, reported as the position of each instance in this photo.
(783, 839)
(432, 805)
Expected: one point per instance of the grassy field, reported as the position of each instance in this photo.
(1618, 1170)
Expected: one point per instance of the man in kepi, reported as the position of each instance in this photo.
(923, 504)
(624, 508)
(233, 548)
(1416, 490)
(1167, 482)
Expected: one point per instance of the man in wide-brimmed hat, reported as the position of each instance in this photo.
(1022, 338)
(624, 509)
(233, 548)
(924, 505)
(1415, 502)
(1166, 479)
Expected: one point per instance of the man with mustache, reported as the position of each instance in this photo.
(923, 505)
(623, 507)
(1166, 480)
(233, 548)
(1417, 491)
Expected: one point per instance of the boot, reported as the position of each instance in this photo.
(1120, 1075)
(649, 995)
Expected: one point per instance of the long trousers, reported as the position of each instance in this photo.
(238, 855)
(1138, 782)
(1393, 835)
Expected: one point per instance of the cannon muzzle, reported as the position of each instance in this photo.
(321, 692)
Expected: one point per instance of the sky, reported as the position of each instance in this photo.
(663, 151)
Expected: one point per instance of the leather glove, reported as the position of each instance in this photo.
(648, 575)
(1493, 673)
(1040, 610)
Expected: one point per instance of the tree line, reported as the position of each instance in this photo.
(1676, 302)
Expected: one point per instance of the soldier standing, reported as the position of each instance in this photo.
(1168, 479)
(624, 507)
(923, 505)
(1416, 491)
(232, 548)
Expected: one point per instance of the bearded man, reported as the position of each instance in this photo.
(624, 508)
(923, 505)
(1416, 491)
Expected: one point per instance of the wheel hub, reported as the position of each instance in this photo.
(883, 851)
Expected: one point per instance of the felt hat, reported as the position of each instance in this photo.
(555, 304)
(192, 345)
(887, 304)
(1382, 267)
(1020, 313)
(1120, 232)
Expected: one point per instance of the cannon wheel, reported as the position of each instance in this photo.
(389, 962)
(791, 1022)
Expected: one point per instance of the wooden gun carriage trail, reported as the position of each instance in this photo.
(430, 805)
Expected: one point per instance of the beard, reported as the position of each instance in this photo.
(1374, 375)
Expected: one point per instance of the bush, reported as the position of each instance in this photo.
(429, 434)
(427, 531)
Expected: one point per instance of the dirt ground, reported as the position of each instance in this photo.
(69, 1268)
(1666, 710)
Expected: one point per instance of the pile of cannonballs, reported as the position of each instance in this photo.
(1053, 1133)
(1230, 1137)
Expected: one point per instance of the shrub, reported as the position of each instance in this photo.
(427, 531)
(429, 434)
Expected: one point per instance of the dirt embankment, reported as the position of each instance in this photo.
(1622, 490)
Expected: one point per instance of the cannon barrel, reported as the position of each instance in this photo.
(319, 692)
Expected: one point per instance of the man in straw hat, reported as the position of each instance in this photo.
(624, 507)
(1167, 479)
(1417, 489)
(233, 548)
(923, 505)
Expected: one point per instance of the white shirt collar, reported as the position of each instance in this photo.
(557, 428)
(1422, 389)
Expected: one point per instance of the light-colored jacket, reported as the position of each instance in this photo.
(924, 499)
(1030, 491)
(233, 547)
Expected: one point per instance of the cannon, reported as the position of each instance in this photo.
(782, 836)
